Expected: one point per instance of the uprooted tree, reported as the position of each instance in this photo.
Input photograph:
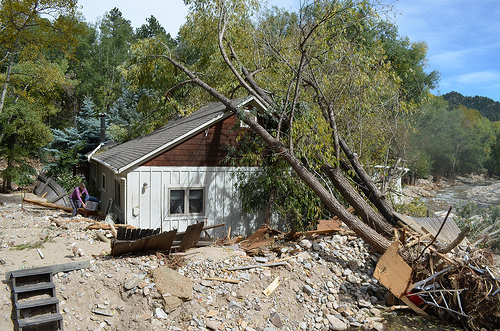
(318, 76)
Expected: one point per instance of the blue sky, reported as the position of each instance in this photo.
(462, 36)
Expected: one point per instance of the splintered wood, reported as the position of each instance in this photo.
(270, 289)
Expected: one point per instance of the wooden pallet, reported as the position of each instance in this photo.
(34, 300)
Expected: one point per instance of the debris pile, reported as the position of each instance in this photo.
(461, 288)
(312, 280)
(443, 278)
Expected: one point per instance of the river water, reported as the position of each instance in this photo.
(482, 192)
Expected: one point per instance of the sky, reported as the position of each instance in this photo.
(463, 36)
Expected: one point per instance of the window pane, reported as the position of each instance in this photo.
(196, 201)
(177, 202)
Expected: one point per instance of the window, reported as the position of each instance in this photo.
(103, 184)
(118, 193)
(190, 197)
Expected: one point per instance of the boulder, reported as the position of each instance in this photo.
(174, 287)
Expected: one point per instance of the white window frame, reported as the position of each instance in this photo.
(186, 201)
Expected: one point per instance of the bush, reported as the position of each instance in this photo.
(483, 222)
(414, 208)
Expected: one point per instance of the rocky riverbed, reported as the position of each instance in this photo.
(320, 283)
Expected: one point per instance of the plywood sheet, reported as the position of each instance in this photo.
(393, 272)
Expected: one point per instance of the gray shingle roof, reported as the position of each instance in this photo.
(121, 157)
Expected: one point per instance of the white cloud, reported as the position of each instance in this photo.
(480, 78)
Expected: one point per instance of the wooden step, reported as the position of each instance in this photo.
(40, 319)
(33, 287)
(39, 271)
(37, 303)
(48, 269)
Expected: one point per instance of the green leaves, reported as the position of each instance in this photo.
(456, 141)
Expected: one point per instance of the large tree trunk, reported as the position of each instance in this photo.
(367, 185)
(372, 237)
(363, 209)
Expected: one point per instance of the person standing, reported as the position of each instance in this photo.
(76, 198)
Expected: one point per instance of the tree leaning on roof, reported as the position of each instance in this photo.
(293, 64)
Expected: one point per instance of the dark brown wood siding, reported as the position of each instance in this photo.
(203, 149)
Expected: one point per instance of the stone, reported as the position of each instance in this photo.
(308, 290)
(234, 305)
(213, 325)
(316, 246)
(304, 243)
(161, 314)
(335, 323)
(132, 282)
(174, 287)
(104, 312)
(276, 320)
(364, 303)
(156, 323)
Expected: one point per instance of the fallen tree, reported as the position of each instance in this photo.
(375, 227)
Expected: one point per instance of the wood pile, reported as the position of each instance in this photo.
(447, 280)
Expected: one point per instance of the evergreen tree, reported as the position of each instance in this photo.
(124, 121)
(70, 145)
(486, 106)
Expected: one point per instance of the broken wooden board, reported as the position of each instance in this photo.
(105, 226)
(393, 272)
(329, 225)
(263, 236)
(191, 236)
(124, 233)
(270, 289)
(157, 242)
(47, 204)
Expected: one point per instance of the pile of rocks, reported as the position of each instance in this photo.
(325, 282)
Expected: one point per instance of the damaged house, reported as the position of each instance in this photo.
(176, 176)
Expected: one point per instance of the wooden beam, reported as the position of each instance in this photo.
(50, 268)
(47, 204)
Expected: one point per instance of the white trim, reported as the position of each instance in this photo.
(89, 156)
(186, 189)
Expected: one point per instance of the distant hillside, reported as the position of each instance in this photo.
(487, 107)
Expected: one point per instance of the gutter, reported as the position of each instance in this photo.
(89, 156)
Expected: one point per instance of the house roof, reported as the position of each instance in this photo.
(122, 157)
